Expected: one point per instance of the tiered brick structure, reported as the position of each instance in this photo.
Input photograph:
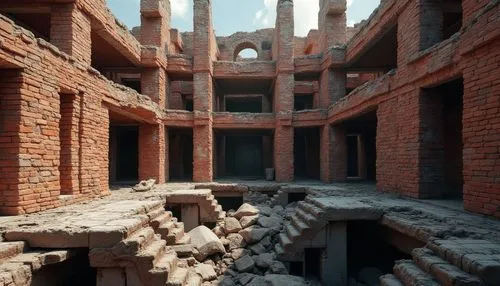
(410, 100)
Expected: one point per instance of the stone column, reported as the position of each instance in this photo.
(335, 263)
(190, 215)
(203, 92)
(152, 152)
(70, 31)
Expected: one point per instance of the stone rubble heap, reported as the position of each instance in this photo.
(239, 250)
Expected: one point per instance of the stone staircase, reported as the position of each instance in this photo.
(210, 209)
(18, 262)
(303, 225)
(306, 225)
(146, 257)
(449, 262)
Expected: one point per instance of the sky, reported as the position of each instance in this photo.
(230, 16)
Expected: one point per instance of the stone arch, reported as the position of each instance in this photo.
(243, 46)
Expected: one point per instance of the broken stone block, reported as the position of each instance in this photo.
(145, 186)
(238, 253)
(244, 264)
(206, 272)
(246, 210)
(236, 241)
(247, 221)
(231, 225)
(206, 242)
(273, 222)
(278, 267)
(253, 234)
(264, 260)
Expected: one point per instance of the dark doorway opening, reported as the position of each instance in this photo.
(296, 197)
(313, 262)
(303, 102)
(369, 246)
(361, 146)
(74, 271)
(229, 203)
(180, 154)
(124, 157)
(441, 157)
(243, 154)
(352, 156)
(307, 153)
(250, 104)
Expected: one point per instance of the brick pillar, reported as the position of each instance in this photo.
(69, 126)
(332, 23)
(326, 148)
(70, 31)
(332, 86)
(284, 92)
(152, 152)
(155, 23)
(155, 31)
(203, 144)
(338, 155)
(154, 84)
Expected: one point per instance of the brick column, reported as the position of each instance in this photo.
(155, 31)
(69, 126)
(152, 152)
(325, 159)
(70, 31)
(154, 84)
(332, 23)
(332, 86)
(203, 144)
(284, 92)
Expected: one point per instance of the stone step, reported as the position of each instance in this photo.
(306, 217)
(310, 209)
(175, 234)
(158, 221)
(410, 274)
(153, 214)
(390, 280)
(177, 277)
(150, 256)
(292, 232)
(137, 242)
(183, 250)
(285, 241)
(474, 256)
(279, 249)
(165, 265)
(11, 249)
(193, 279)
(299, 224)
(441, 270)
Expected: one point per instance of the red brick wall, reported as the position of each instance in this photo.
(481, 130)
(10, 128)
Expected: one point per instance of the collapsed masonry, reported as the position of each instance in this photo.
(408, 99)
(342, 235)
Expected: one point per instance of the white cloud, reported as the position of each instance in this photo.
(349, 2)
(179, 8)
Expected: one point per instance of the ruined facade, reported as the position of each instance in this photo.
(410, 99)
